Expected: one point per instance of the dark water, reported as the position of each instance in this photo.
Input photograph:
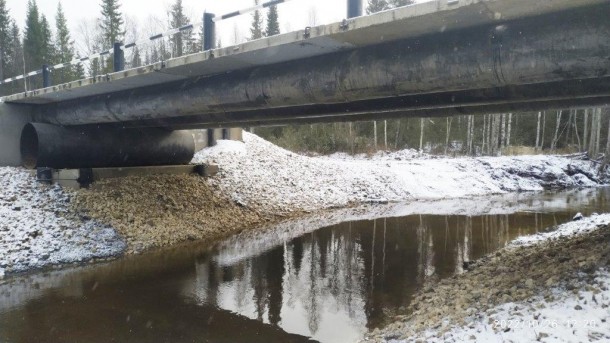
(331, 284)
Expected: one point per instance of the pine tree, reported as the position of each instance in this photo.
(47, 48)
(256, 31)
(16, 66)
(273, 25)
(64, 46)
(112, 22)
(375, 6)
(180, 42)
(112, 28)
(5, 40)
(33, 45)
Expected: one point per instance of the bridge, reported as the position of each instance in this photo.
(439, 58)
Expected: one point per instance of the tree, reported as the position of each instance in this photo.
(64, 47)
(180, 42)
(375, 6)
(111, 24)
(256, 31)
(47, 49)
(400, 3)
(5, 39)
(273, 25)
(33, 45)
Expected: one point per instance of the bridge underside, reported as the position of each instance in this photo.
(556, 60)
(552, 60)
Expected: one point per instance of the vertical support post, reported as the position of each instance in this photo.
(211, 137)
(46, 76)
(119, 57)
(209, 31)
(354, 8)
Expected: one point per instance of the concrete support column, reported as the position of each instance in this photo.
(12, 120)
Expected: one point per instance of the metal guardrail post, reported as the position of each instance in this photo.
(354, 8)
(46, 76)
(119, 57)
(209, 31)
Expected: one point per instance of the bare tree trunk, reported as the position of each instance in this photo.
(385, 135)
(576, 131)
(503, 132)
(538, 131)
(421, 135)
(585, 146)
(351, 138)
(607, 153)
(557, 123)
(543, 130)
(449, 121)
(598, 124)
(509, 126)
(569, 138)
(484, 141)
(375, 133)
(468, 135)
(397, 134)
(472, 122)
(593, 135)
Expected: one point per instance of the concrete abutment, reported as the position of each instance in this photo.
(13, 118)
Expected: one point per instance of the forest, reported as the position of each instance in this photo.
(27, 48)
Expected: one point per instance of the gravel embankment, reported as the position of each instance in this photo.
(270, 179)
(548, 287)
(163, 210)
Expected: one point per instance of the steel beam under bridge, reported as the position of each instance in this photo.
(557, 58)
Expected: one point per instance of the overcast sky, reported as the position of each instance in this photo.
(295, 14)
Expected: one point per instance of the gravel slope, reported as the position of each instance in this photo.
(261, 175)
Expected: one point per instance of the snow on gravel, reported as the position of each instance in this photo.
(568, 229)
(37, 229)
(259, 174)
(570, 317)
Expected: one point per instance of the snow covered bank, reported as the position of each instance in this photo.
(547, 287)
(261, 175)
(38, 229)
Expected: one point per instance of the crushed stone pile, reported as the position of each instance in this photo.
(268, 178)
(162, 210)
(38, 229)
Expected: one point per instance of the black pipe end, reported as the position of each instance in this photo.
(29, 147)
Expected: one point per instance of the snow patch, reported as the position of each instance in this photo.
(260, 175)
(37, 228)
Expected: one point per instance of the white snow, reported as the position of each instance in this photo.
(35, 230)
(259, 174)
(568, 229)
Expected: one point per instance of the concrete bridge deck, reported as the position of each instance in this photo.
(283, 79)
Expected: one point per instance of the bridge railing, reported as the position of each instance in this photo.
(209, 20)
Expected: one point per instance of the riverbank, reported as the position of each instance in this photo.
(258, 183)
(550, 287)
(267, 178)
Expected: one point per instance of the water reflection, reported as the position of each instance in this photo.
(331, 284)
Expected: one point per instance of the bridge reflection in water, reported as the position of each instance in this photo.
(331, 284)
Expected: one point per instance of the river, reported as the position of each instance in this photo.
(307, 281)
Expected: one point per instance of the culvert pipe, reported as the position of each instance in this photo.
(52, 146)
